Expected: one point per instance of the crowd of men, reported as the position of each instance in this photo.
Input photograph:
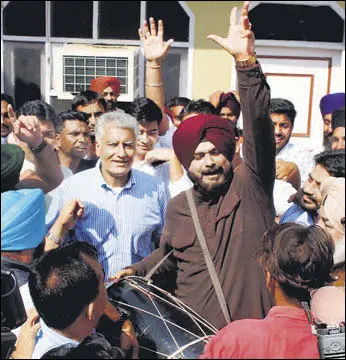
(97, 193)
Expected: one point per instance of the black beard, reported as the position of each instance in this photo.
(111, 105)
(211, 192)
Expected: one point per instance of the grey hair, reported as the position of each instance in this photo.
(116, 118)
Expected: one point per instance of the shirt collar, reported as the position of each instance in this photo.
(54, 337)
(287, 147)
(288, 312)
(101, 182)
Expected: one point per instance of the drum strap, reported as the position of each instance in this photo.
(155, 267)
(207, 257)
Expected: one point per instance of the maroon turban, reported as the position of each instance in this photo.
(100, 83)
(230, 101)
(192, 131)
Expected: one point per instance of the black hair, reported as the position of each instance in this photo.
(333, 161)
(69, 115)
(38, 108)
(178, 101)
(92, 347)
(283, 106)
(8, 99)
(88, 97)
(299, 258)
(199, 106)
(62, 283)
(145, 111)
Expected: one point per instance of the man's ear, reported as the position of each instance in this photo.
(97, 148)
(58, 141)
(90, 311)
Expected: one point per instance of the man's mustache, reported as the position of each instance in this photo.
(218, 170)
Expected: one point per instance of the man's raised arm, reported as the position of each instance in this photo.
(259, 145)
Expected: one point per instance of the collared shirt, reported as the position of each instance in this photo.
(162, 172)
(122, 223)
(297, 215)
(284, 334)
(47, 339)
(303, 158)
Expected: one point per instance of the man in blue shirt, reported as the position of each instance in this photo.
(308, 198)
(124, 208)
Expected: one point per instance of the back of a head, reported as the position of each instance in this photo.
(38, 108)
(200, 107)
(8, 99)
(178, 101)
(68, 116)
(87, 97)
(62, 283)
(283, 106)
(333, 161)
(145, 111)
(299, 258)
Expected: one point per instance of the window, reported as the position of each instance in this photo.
(79, 71)
(25, 18)
(297, 22)
(72, 19)
(119, 19)
(174, 17)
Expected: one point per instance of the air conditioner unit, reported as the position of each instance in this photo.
(75, 65)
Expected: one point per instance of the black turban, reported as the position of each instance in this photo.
(12, 158)
(338, 118)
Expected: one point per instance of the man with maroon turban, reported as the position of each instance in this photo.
(234, 208)
(109, 88)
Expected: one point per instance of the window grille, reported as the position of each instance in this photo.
(79, 71)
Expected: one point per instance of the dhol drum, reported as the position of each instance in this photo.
(165, 327)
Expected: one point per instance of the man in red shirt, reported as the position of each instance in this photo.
(295, 259)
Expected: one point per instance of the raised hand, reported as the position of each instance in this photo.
(72, 211)
(154, 46)
(27, 129)
(240, 41)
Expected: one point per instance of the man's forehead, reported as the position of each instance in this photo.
(90, 108)
(204, 146)
(4, 105)
(115, 133)
(319, 173)
(75, 125)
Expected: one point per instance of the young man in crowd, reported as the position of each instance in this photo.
(6, 125)
(338, 127)
(175, 106)
(72, 139)
(308, 198)
(92, 105)
(56, 283)
(226, 201)
(295, 259)
(124, 207)
(34, 132)
(328, 104)
(226, 104)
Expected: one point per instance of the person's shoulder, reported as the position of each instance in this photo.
(146, 182)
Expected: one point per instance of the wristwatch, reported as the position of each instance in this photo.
(55, 239)
(38, 149)
(246, 63)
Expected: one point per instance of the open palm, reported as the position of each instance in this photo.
(154, 46)
(240, 40)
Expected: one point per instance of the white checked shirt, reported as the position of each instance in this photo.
(303, 158)
(122, 223)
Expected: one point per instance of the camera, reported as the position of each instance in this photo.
(331, 341)
(13, 312)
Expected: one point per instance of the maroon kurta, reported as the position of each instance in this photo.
(233, 226)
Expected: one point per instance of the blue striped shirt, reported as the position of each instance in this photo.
(122, 223)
